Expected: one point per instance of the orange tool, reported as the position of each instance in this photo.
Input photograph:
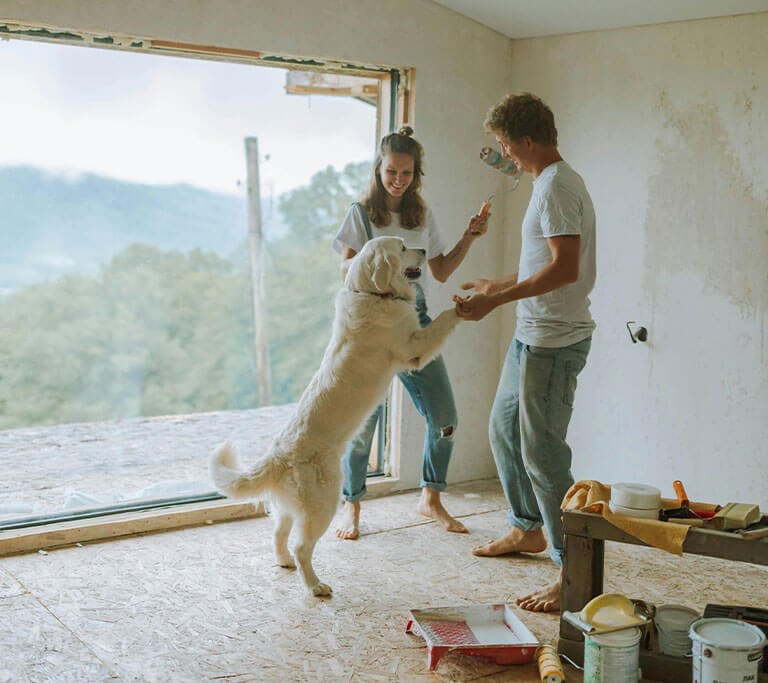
(682, 496)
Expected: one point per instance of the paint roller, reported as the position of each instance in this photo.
(550, 666)
(508, 167)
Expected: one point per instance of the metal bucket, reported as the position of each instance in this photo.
(612, 657)
(725, 651)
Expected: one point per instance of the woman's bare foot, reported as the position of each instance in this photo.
(431, 506)
(545, 600)
(349, 525)
(516, 541)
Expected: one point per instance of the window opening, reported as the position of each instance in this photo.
(53, 290)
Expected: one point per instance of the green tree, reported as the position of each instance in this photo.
(155, 333)
(160, 332)
(302, 275)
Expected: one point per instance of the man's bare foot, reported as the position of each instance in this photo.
(545, 600)
(349, 525)
(516, 541)
(431, 506)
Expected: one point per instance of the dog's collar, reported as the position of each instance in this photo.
(384, 295)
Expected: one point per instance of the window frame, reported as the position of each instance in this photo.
(394, 108)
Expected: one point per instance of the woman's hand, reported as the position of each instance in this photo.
(478, 224)
(480, 285)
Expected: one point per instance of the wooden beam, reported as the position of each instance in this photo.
(205, 49)
(723, 544)
(30, 539)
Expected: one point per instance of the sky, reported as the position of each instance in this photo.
(157, 119)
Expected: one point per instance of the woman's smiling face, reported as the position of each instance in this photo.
(396, 173)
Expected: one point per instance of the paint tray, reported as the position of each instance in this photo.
(491, 631)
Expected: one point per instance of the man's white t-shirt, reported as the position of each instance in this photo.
(559, 205)
(352, 233)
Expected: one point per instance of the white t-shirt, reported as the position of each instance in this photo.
(352, 233)
(559, 205)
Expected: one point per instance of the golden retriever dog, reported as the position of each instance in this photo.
(376, 334)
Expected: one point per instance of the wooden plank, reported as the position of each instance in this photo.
(204, 49)
(708, 542)
(582, 577)
(31, 539)
(572, 648)
(666, 669)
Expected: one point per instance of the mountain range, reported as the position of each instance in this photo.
(53, 223)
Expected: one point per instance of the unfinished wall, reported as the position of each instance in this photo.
(461, 69)
(667, 124)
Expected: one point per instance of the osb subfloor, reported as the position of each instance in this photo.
(207, 603)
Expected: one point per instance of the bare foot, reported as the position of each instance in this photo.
(545, 600)
(349, 525)
(516, 541)
(431, 506)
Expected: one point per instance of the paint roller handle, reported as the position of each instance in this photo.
(478, 222)
(682, 496)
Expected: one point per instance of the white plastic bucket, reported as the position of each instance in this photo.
(726, 651)
(612, 657)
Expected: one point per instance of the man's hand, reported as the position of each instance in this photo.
(480, 285)
(473, 307)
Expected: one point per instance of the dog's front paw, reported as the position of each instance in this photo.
(285, 561)
(321, 590)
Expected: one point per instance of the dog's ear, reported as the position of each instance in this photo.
(359, 273)
(383, 270)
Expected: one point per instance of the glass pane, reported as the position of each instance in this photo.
(126, 311)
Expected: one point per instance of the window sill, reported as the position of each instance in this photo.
(18, 541)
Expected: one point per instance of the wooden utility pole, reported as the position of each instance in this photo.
(255, 238)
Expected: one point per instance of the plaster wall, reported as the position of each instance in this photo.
(667, 124)
(461, 68)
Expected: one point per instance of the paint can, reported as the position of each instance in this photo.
(725, 650)
(612, 657)
(672, 624)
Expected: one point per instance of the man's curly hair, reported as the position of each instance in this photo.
(523, 114)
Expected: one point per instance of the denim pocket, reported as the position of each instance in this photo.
(539, 371)
(569, 385)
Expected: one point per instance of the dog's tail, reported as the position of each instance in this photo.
(232, 481)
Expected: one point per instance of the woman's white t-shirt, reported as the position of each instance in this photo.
(352, 233)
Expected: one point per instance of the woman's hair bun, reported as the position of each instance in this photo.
(405, 130)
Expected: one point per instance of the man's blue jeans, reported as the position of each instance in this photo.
(430, 390)
(528, 426)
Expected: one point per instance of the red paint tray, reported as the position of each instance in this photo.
(491, 631)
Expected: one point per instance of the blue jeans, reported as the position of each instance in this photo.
(431, 393)
(527, 431)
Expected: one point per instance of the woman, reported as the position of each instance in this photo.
(393, 206)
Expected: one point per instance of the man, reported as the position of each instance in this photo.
(534, 399)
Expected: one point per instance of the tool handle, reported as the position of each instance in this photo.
(682, 496)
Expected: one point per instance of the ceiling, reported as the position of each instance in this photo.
(529, 18)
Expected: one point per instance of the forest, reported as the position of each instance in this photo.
(155, 330)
